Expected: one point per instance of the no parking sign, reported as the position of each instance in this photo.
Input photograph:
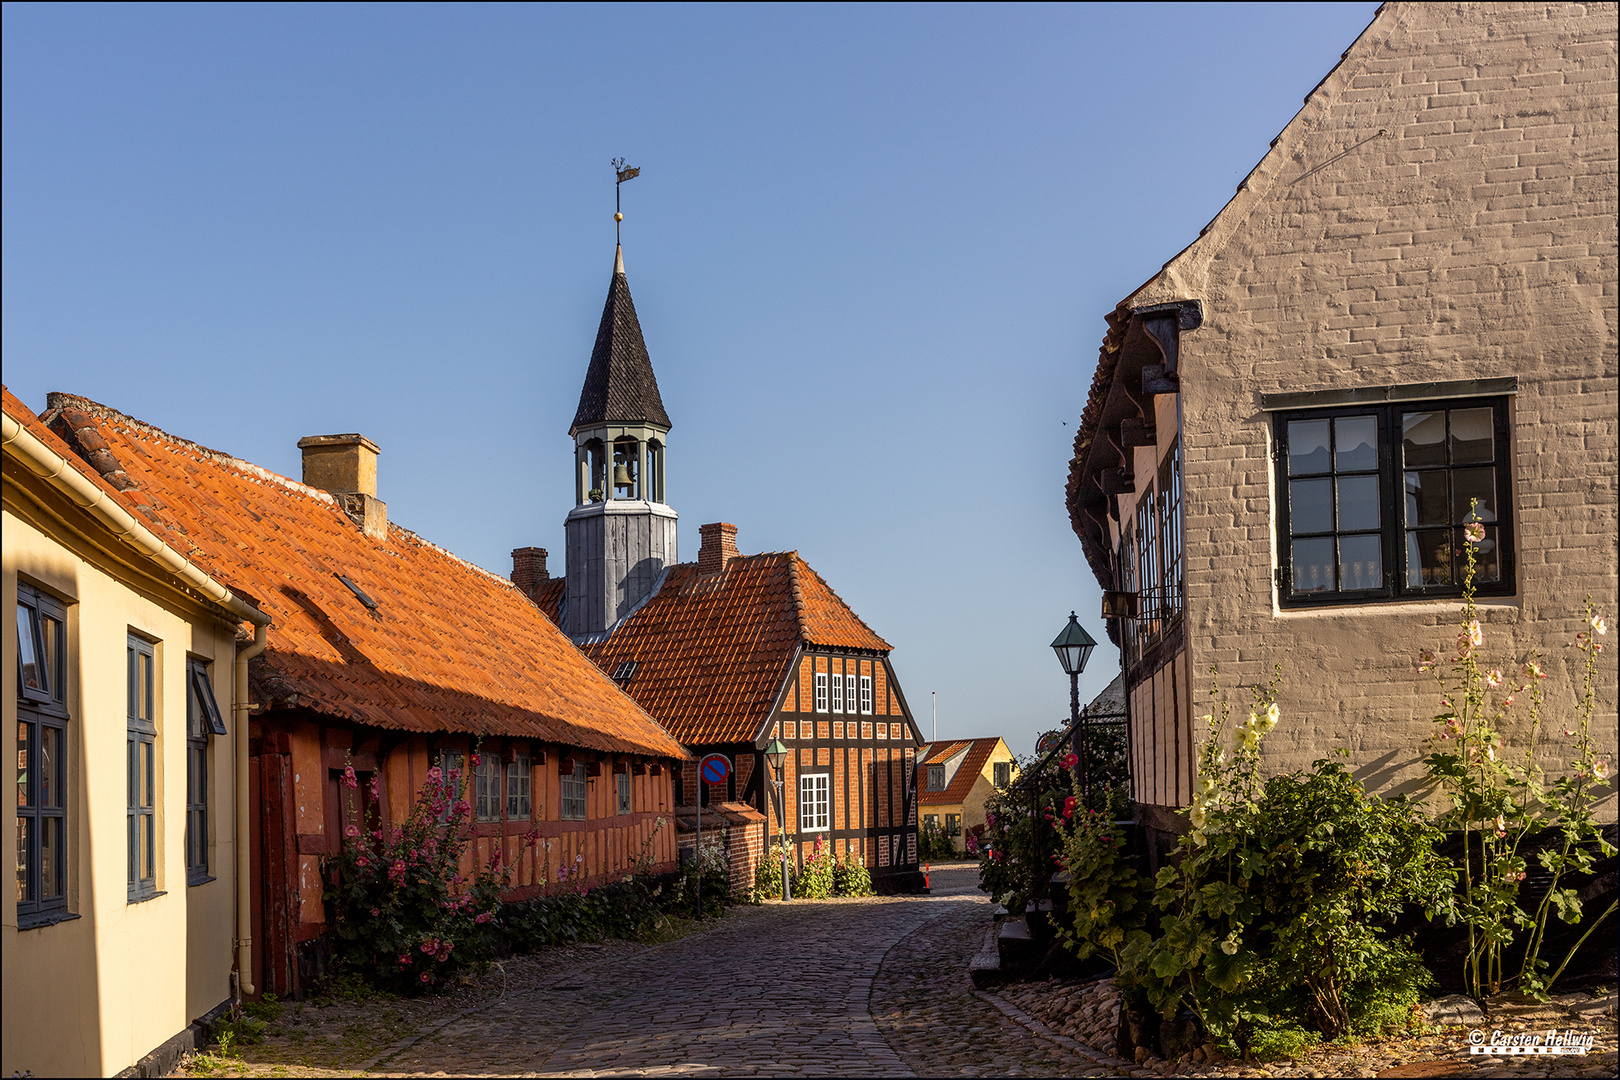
(715, 768)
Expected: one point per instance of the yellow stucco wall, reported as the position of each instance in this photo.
(93, 994)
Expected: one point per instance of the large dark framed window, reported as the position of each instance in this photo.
(41, 759)
(141, 744)
(203, 721)
(573, 793)
(1372, 500)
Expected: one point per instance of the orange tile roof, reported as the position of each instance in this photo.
(712, 650)
(966, 773)
(451, 647)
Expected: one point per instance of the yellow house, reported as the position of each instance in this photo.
(957, 778)
(121, 678)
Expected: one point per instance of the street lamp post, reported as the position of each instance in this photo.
(1073, 648)
(777, 754)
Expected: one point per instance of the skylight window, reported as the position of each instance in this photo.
(360, 594)
(625, 671)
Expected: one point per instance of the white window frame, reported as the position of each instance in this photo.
(815, 802)
(851, 692)
(821, 691)
(866, 695)
(573, 787)
(837, 693)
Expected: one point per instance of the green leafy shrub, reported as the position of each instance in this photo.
(1280, 909)
(712, 868)
(816, 876)
(404, 916)
(768, 875)
(1498, 801)
(851, 878)
(1109, 900)
(935, 846)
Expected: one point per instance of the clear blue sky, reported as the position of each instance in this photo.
(871, 248)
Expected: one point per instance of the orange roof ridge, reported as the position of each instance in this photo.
(447, 553)
(58, 400)
(798, 561)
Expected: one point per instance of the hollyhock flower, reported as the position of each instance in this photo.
(351, 831)
(404, 959)
(1532, 670)
(349, 778)
(426, 978)
(1198, 815)
(1493, 678)
(484, 917)
(1599, 624)
(1501, 825)
(1471, 634)
(1474, 532)
(435, 774)
(1425, 660)
(430, 946)
(376, 912)
(1600, 768)
(363, 861)
(1068, 806)
(1231, 944)
(1069, 761)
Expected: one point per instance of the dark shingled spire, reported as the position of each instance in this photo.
(620, 386)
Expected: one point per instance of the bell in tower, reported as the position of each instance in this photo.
(621, 532)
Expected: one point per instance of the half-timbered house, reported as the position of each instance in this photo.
(387, 653)
(732, 650)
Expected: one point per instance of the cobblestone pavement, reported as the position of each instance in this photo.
(871, 987)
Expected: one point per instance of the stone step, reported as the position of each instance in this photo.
(985, 968)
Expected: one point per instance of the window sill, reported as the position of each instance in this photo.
(42, 919)
(199, 879)
(141, 898)
(1412, 605)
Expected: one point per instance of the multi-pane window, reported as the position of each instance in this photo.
(487, 788)
(1335, 505)
(518, 779)
(1374, 500)
(1150, 558)
(453, 764)
(573, 793)
(953, 824)
(203, 720)
(851, 691)
(1451, 476)
(936, 778)
(626, 804)
(41, 759)
(821, 691)
(837, 693)
(141, 764)
(866, 694)
(814, 803)
(1001, 774)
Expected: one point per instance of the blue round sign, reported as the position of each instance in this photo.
(715, 768)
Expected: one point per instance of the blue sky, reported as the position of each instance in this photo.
(871, 249)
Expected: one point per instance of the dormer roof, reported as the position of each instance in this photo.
(620, 387)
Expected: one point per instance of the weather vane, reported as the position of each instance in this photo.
(623, 174)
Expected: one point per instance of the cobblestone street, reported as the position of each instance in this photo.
(873, 987)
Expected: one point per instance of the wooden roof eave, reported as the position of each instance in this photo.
(762, 735)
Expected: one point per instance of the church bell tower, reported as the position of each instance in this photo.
(621, 532)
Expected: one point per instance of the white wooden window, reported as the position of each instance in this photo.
(518, 779)
(866, 694)
(850, 692)
(814, 810)
(821, 691)
(573, 793)
(838, 693)
(487, 784)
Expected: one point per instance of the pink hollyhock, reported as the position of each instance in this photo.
(426, 978)
(1493, 678)
(376, 912)
(351, 831)
(1069, 761)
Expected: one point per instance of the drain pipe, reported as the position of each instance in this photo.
(244, 864)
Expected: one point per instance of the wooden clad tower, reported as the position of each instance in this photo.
(621, 532)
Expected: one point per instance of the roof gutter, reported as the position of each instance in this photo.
(52, 467)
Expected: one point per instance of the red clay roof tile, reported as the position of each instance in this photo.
(966, 773)
(450, 647)
(713, 650)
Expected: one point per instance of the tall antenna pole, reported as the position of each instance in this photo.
(933, 696)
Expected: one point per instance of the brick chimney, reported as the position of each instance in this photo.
(346, 466)
(718, 548)
(529, 570)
